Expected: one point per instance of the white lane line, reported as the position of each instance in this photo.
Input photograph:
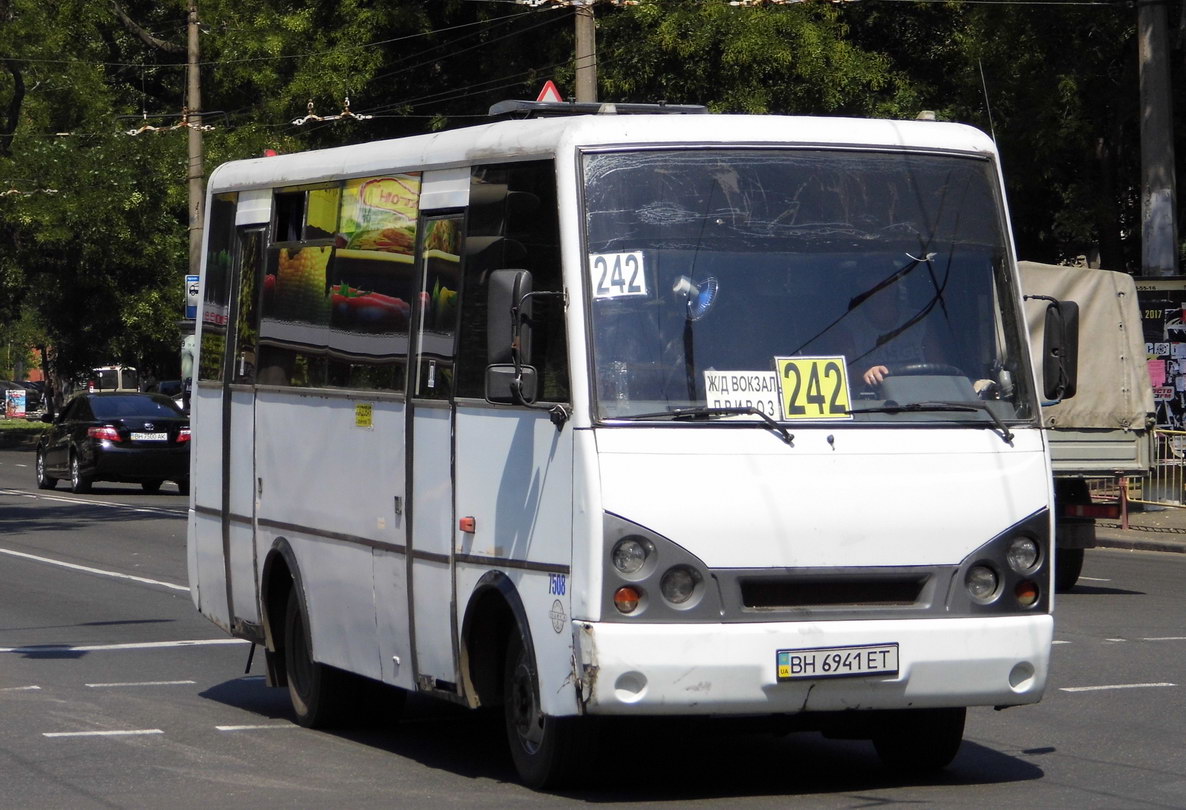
(1056, 641)
(139, 683)
(20, 689)
(142, 645)
(150, 510)
(1093, 579)
(1114, 686)
(121, 733)
(1165, 638)
(99, 571)
(256, 727)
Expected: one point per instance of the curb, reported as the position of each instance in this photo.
(1171, 540)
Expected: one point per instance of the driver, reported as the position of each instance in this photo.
(886, 335)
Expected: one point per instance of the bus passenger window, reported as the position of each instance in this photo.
(290, 216)
(247, 320)
(440, 279)
(216, 301)
(294, 323)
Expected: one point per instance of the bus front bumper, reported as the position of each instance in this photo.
(732, 669)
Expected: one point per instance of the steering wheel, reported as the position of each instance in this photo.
(928, 370)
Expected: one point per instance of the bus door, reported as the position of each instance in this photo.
(238, 457)
(431, 522)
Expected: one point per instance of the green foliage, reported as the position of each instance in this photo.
(793, 59)
(98, 265)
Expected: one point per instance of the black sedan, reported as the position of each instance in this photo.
(116, 436)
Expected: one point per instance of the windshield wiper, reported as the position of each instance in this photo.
(706, 411)
(999, 427)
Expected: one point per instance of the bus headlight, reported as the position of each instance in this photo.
(679, 584)
(1022, 554)
(630, 555)
(982, 583)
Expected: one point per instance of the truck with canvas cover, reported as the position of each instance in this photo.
(1107, 428)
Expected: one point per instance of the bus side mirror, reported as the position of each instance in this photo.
(509, 377)
(1060, 350)
(506, 385)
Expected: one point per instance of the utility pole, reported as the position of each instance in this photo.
(586, 52)
(1159, 231)
(195, 173)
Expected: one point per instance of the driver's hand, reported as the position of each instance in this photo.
(876, 375)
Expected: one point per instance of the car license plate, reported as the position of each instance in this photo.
(150, 437)
(837, 662)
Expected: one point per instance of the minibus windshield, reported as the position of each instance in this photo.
(809, 284)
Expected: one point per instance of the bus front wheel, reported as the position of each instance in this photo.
(315, 691)
(919, 740)
(546, 750)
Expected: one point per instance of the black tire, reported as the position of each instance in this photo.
(918, 741)
(79, 483)
(317, 691)
(182, 486)
(151, 487)
(546, 750)
(44, 481)
(1068, 565)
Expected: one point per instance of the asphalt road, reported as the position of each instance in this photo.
(115, 693)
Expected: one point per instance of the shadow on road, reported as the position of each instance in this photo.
(682, 759)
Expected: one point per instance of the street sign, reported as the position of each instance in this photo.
(191, 297)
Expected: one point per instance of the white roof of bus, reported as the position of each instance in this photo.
(518, 140)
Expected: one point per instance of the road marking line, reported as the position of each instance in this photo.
(255, 728)
(124, 733)
(1060, 642)
(151, 510)
(1116, 640)
(89, 570)
(20, 689)
(1114, 686)
(1165, 638)
(140, 683)
(1094, 579)
(142, 645)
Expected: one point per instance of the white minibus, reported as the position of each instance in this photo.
(624, 415)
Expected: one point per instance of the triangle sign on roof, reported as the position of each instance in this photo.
(549, 93)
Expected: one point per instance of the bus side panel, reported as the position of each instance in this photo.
(329, 470)
(514, 476)
(432, 535)
(208, 567)
(391, 618)
(244, 587)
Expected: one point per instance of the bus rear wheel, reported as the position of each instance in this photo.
(317, 691)
(546, 750)
(918, 741)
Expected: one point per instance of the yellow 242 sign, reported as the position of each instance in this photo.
(813, 387)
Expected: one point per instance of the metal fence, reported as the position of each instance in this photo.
(1166, 483)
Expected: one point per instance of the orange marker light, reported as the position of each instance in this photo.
(469, 525)
(626, 599)
(1027, 593)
